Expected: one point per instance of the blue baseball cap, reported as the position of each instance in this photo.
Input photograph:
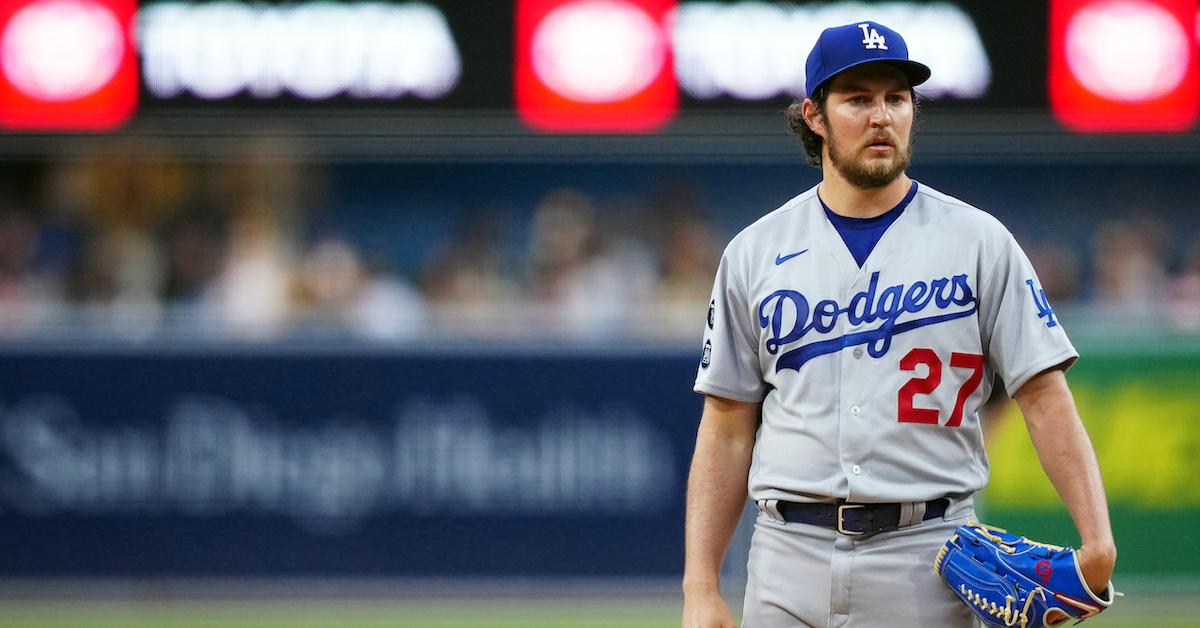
(840, 48)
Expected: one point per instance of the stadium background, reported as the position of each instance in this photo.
(287, 341)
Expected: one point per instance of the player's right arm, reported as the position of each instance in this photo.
(716, 495)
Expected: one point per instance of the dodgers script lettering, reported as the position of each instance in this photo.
(947, 295)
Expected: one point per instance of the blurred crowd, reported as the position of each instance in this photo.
(142, 249)
(1129, 275)
(149, 248)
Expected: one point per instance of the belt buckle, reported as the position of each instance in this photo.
(841, 521)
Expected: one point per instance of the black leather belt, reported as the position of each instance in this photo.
(855, 519)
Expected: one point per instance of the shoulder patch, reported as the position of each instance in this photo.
(1042, 302)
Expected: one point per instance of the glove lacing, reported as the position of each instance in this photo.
(1007, 614)
(985, 530)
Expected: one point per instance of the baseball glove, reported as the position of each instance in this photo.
(1008, 580)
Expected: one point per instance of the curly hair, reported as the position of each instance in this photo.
(795, 118)
(813, 142)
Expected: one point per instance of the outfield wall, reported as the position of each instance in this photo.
(467, 463)
(1141, 405)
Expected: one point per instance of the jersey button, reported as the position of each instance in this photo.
(858, 353)
(855, 410)
(856, 469)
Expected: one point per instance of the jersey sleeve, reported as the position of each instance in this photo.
(1021, 331)
(729, 364)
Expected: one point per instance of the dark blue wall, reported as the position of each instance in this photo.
(330, 463)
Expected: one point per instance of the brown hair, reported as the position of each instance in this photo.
(795, 117)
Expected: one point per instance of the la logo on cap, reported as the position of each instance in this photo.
(872, 40)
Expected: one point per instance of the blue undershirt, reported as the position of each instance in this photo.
(862, 234)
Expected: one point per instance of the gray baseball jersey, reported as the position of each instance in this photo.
(870, 378)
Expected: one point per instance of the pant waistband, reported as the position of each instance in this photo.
(862, 519)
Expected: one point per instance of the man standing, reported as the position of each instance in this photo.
(852, 336)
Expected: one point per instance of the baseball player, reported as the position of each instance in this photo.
(852, 335)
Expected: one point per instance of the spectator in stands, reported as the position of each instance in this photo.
(690, 256)
(589, 282)
(1057, 267)
(250, 297)
(337, 295)
(1129, 267)
(470, 266)
(1183, 293)
(24, 301)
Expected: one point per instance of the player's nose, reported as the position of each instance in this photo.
(881, 115)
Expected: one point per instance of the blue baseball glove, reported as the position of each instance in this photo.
(1008, 580)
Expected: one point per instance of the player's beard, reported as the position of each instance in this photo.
(870, 173)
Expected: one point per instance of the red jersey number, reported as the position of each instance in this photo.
(908, 412)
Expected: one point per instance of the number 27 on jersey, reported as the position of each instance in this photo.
(908, 412)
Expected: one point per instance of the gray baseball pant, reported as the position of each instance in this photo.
(801, 575)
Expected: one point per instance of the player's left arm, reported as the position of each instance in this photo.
(1067, 456)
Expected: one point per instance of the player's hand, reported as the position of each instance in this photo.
(1096, 562)
(707, 610)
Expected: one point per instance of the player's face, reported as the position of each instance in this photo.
(868, 123)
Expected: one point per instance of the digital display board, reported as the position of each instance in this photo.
(574, 66)
(1124, 65)
(67, 64)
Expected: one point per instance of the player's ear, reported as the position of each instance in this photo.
(812, 117)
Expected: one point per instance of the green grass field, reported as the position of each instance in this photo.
(1173, 611)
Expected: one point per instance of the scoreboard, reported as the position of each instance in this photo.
(574, 67)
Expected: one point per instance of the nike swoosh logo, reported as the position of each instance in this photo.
(779, 259)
